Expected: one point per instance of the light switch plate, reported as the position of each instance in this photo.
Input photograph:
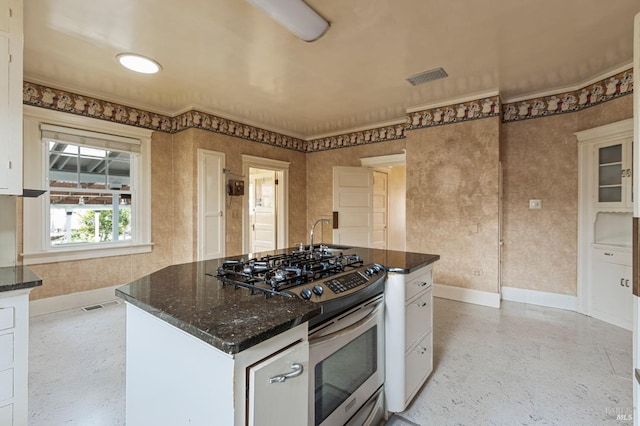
(535, 204)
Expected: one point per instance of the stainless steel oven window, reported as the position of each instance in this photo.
(339, 375)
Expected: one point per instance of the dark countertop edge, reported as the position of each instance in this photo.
(22, 285)
(433, 258)
(230, 348)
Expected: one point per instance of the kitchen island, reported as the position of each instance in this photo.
(15, 284)
(200, 352)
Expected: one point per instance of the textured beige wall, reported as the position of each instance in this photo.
(173, 209)
(397, 227)
(320, 180)
(540, 160)
(452, 201)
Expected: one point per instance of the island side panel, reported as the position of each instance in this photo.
(173, 377)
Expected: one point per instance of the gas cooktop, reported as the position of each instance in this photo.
(320, 275)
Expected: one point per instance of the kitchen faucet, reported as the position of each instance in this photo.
(311, 233)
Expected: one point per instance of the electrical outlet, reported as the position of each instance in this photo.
(535, 204)
(477, 272)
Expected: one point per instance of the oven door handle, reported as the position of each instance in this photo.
(344, 331)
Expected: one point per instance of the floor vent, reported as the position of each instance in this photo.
(100, 306)
(426, 76)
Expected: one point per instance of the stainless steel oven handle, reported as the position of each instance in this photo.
(296, 370)
(349, 329)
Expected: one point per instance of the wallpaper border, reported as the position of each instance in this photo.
(609, 88)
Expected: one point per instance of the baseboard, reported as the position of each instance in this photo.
(467, 295)
(541, 298)
(71, 301)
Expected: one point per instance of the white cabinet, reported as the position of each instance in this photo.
(605, 206)
(408, 335)
(11, 42)
(611, 297)
(174, 378)
(614, 173)
(14, 341)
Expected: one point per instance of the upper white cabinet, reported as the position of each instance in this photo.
(11, 42)
(605, 167)
(613, 185)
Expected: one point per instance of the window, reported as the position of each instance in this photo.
(97, 201)
(90, 187)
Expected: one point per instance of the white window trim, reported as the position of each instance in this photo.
(35, 244)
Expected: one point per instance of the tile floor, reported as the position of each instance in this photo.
(522, 364)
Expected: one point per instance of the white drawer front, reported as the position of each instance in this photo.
(6, 384)
(7, 317)
(418, 281)
(418, 366)
(6, 415)
(6, 350)
(418, 318)
(613, 256)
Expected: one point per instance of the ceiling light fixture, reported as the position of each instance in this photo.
(294, 15)
(138, 63)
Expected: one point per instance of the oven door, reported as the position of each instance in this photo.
(346, 358)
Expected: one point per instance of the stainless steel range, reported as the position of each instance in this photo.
(346, 342)
(335, 280)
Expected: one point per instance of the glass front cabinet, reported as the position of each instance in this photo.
(614, 174)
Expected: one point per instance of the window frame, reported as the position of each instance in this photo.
(36, 213)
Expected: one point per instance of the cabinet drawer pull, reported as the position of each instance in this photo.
(422, 283)
(421, 350)
(626, 283)
(296, 370)
(608, 254)
(621, 282)
(421, 304)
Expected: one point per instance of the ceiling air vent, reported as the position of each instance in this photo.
(426, 76)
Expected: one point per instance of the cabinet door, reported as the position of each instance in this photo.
(611, 298)
(613, 178)
(419, 362)
(5, 134)
(418, 317)
(280, 402)
(4, 15)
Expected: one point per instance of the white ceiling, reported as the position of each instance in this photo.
(227, 58)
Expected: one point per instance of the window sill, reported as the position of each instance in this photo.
(66, 255)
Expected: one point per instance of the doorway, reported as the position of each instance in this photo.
(263, 213)
(371, 203)
(265, 209)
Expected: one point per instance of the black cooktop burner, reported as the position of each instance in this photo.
(272, 274)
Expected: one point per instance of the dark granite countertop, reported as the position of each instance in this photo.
(189, 297)
(17, 278)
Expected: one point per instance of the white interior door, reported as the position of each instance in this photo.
(380, 213)
(263, 215)
(211, 233)
(353, 201)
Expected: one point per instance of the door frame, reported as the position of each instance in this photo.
(384, 163)
(202, 194)
(282, 190)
